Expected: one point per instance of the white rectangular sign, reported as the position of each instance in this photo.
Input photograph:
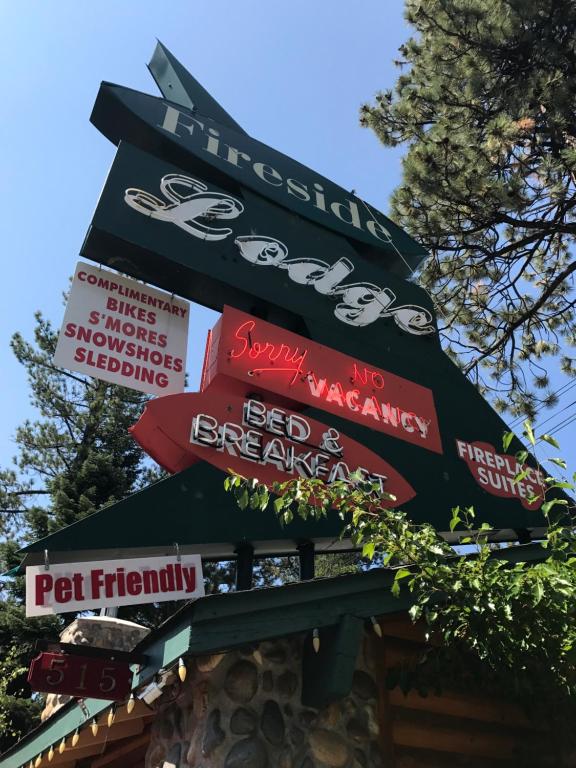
(68, 587)
(124, 332)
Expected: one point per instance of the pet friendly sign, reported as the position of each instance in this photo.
(67, 587)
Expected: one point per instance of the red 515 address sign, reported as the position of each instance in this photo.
(80, 676)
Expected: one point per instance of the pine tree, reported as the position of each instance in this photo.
(485, 104)
(75, 457)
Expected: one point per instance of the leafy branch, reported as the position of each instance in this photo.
(515, 620)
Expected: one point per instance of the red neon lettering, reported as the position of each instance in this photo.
(266, 349)
(376, 378)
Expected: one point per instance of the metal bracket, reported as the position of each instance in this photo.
(85, 650)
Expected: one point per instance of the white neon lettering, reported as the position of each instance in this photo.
(204, 430)
(406, 421)
(352, 399)
(188, 204)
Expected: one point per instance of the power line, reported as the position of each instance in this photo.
(561, 425)
(550, 418)
(558, 392)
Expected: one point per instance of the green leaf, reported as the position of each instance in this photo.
(551, 440)
(507, 439)
(368, 550)
(278, 505)
(537, 591)
(547, 506)
(456, 519)
(402, 573)
(528, 432)
(243, 499)
(558, 462)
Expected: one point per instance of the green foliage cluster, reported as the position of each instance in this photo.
(513, 622)
(485, 106)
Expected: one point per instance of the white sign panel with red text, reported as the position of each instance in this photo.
(124, 332)
(68, 587)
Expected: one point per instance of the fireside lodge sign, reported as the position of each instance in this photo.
(189, 202)
(326, 360)
(246, 248)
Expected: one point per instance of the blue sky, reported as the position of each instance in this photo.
(293, 74)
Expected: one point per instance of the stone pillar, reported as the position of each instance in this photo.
(243, 710)
(97, 632)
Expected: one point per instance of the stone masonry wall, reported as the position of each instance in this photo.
(243, 710)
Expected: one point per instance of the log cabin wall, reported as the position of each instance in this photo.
(260, 693)
(451, 729)
(244, 709)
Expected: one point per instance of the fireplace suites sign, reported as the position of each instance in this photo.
(326, 359)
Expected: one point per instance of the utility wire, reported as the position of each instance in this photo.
(558, 392)
(551, 418)
(563, 424)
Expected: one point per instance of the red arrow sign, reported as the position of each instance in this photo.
(256, 439)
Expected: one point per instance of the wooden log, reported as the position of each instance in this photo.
(398, 652)
(399, 625)
(123, 751)
(460, 705)
(385, 712)
(423, 758)
(88, 744)
(457, 737)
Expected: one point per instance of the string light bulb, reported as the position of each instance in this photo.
(111, 716)
(51, 753)
(38, 760)
(376, 626)
(130, 704)
(75, 738)
(62, 746)
(182, 671)
(316, 640)
(94, 726)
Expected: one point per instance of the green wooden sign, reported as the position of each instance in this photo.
(184, 232)
(197, 143)
(195, 206)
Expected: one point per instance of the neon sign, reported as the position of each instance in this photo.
(270, 359)
(257, 439)
(188, 204)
